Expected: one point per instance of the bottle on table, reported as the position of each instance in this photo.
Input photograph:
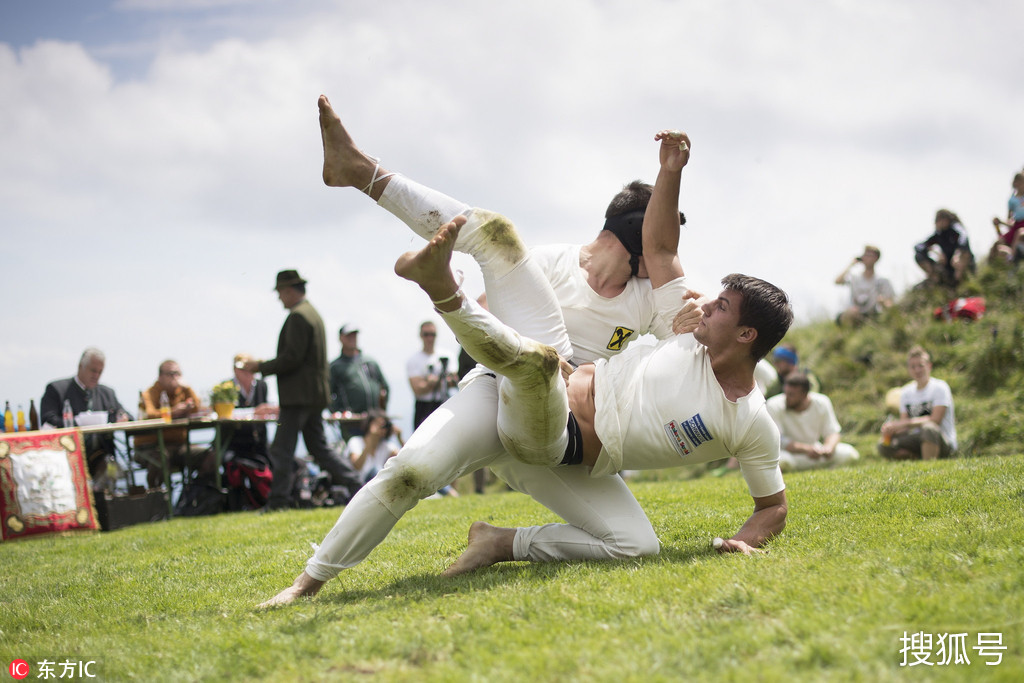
(165, 407)
(142, 407)
(33, 415)
(21, 418)
(8, 418)
(69, 414)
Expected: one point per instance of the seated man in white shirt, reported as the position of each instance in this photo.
(926, 428)
(809, 428)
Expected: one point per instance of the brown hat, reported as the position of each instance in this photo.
(288, 278)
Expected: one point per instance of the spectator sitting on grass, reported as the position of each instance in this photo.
(954, 258)
(869, 293)
(926, 428)
(786, 361)
(809, 428)
(1010, 244)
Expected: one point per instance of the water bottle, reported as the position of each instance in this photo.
(165, 407)
(887, 438)
(69, 415)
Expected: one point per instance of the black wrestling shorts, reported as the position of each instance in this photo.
(573, 449)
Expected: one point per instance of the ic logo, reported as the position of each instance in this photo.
(19, 669)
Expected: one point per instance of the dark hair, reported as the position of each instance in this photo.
(372, 415)
(633, 197)
(764, 307)
(798, 379)
(948, 215)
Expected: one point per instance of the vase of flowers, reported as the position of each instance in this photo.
(223, 397)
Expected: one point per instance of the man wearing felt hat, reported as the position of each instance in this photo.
(301, 369)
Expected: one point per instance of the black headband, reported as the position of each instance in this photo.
(628, 227)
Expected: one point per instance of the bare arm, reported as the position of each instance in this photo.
(424, 385)
(370, 443)
(767, 521)
(829, 443)
(841, 279)
(906, 422)
(661, 220)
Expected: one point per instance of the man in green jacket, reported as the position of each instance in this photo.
(301, 369)
(357, 382)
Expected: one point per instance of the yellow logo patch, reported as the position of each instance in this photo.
(619, 337)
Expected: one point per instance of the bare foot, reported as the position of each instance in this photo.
(304, 585)
(487, 545)
(430, 267)
(345, 165)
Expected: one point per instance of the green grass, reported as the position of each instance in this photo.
(870, 553)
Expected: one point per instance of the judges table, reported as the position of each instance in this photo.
(224, 429)
(132, 427)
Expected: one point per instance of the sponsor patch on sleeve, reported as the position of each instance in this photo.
(686, 436)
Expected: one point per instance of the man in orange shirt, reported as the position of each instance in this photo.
(183, 401)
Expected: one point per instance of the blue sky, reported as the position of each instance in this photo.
(161, 160)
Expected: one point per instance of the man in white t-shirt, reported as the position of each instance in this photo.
(926, 428)
(870, 293)
(808, 426)
(431, 374)
(600, 271)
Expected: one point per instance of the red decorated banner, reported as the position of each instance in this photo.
(44, 484)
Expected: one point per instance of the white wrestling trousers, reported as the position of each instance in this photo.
(533, 409)
(425, 210)
(604, 521)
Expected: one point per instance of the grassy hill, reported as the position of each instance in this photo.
(982, 361)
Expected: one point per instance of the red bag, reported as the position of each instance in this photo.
(965, 308)
(251, 478)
